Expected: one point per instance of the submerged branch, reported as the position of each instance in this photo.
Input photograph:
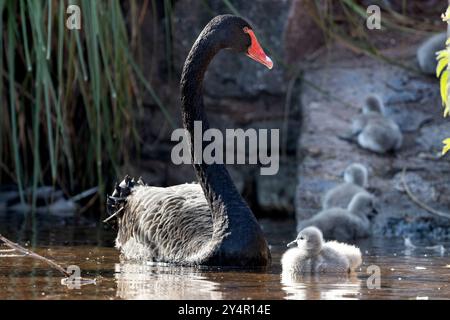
(29, 253)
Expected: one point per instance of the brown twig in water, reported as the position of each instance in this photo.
(418, 202)
(29, 253)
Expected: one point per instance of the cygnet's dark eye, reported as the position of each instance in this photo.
(301, 238)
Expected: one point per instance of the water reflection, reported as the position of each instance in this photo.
(405, 273)
(314, 287)
(150, 281)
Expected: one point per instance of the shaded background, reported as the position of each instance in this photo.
(80, 109)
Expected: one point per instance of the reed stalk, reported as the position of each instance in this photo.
(67, 94)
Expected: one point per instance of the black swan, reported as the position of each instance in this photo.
(194, 224)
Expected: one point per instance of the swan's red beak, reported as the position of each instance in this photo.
(256, 52)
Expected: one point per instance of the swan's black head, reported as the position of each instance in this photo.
(235, 33)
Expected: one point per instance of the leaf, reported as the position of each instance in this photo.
(447, 103)
(446, 147)
(444, 81)
(446, 15)
(441, 54)
(443, 60)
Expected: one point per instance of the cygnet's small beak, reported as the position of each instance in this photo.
(292, 244)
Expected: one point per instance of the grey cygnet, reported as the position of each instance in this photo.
(345, 224)
(356, 178)
(373, 130)
(313, 255)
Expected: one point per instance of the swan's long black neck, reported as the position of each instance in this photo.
(242, 241)
(219, 189)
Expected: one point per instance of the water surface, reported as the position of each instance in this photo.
(405, 273)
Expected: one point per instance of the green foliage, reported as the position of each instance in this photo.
(442, 71)
(67, 96)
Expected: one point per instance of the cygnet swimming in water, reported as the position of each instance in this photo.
(373, 130)
(313, 255)
(355, 181)
(345, 224)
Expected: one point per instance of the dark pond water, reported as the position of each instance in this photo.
(404, 273)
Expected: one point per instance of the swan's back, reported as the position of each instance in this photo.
(171, 224)
(352, 253)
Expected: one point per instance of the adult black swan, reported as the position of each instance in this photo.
(194, 224)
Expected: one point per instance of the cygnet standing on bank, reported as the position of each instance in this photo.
(345, 224)
(373, 130)
(355, 181)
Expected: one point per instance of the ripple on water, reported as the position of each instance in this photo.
(404, 273)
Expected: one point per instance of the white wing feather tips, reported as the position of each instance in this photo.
(160, 224)
(352, 253)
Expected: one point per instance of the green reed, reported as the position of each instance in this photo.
(67, 97)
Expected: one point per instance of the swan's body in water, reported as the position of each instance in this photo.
(207, 223)
(355, 181)
(373, 130)
(345, 224)
(314, 255)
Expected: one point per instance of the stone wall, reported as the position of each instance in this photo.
(413, 101)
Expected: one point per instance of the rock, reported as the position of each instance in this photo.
(302, 36)
(324, 155)
(426, 54)
(309, 193)
(423, 228)
(232, 75)
(408, 121)
(417, 185)
(431, 137)
(276, 193)
(60, 208)
(7, 196)
(49, 201)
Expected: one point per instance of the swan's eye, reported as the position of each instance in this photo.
(301, 238)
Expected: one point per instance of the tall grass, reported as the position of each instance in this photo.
(344, 21)
(67, 96)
